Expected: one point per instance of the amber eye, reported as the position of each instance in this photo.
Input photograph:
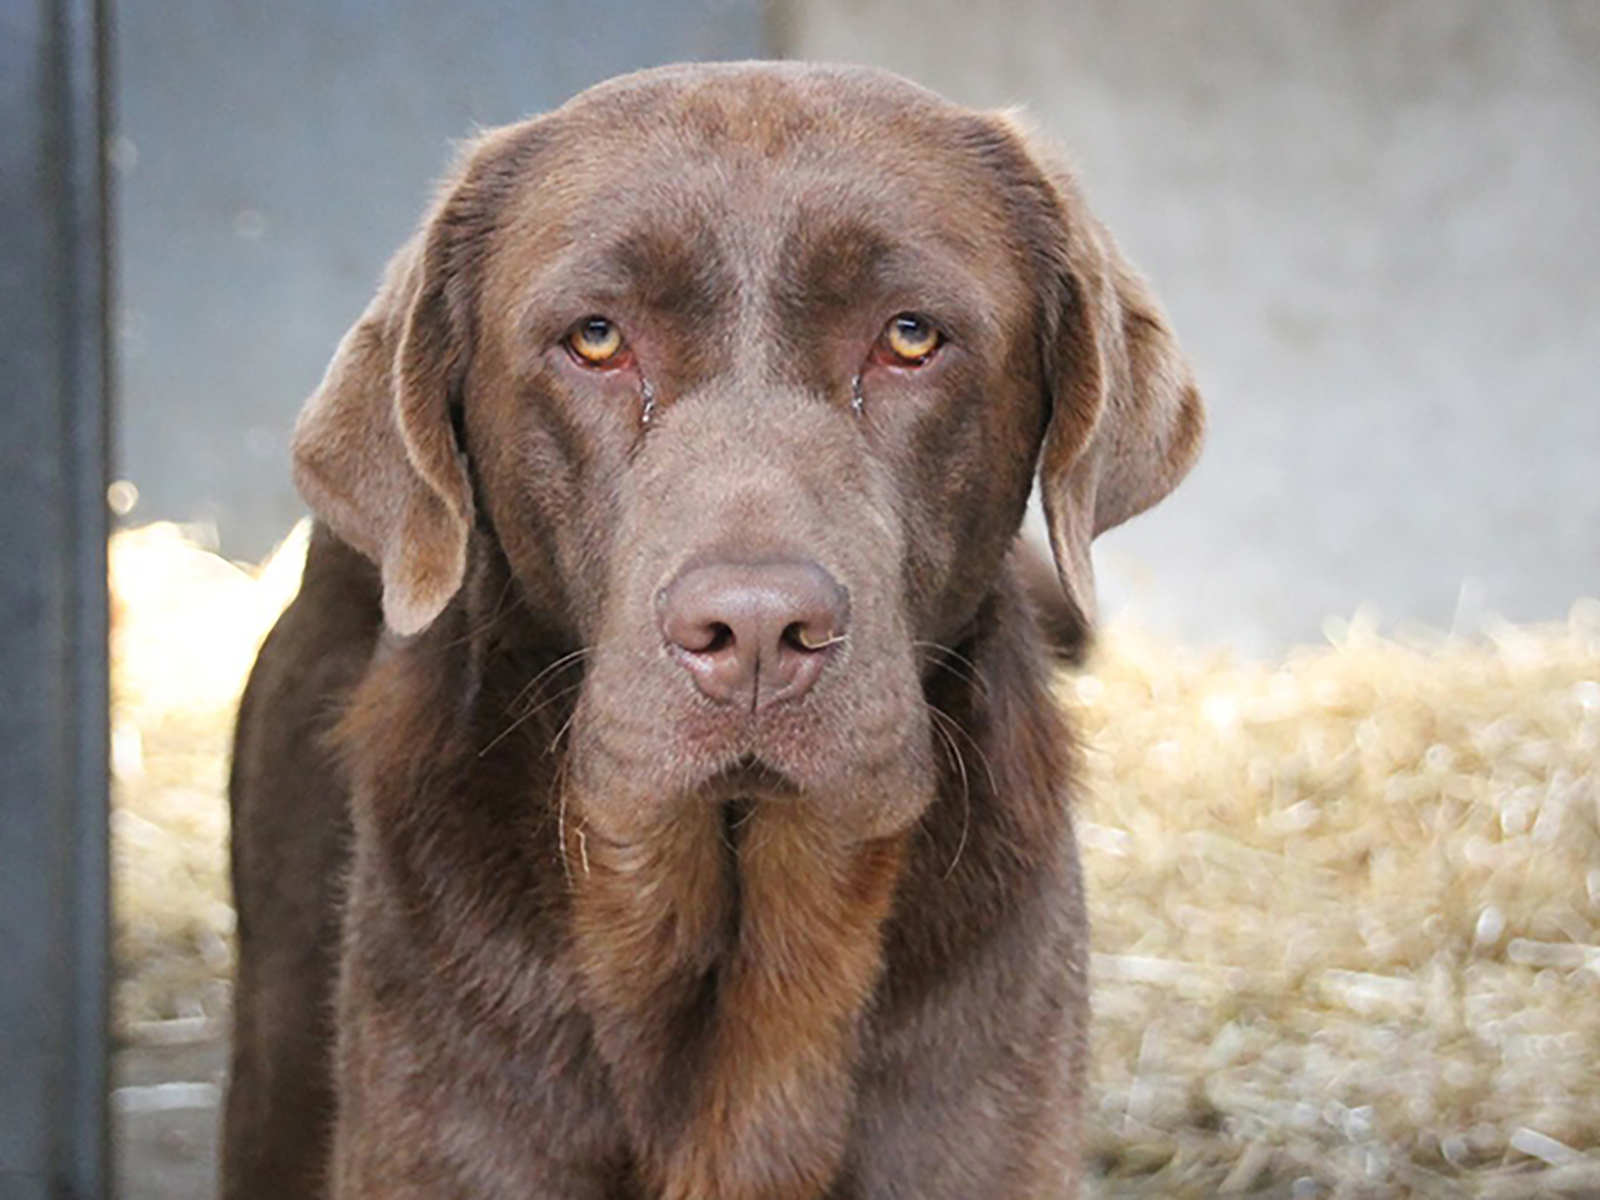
(595, 340)
(911, 338)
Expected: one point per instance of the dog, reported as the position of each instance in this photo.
(655, 790)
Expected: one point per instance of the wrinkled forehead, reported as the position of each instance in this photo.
(831, 187)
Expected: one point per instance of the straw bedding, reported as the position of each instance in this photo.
(1346, 903)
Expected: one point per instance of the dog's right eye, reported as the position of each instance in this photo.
(910, 340)
(595, 342)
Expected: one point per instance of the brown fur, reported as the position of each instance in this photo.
(602, 936)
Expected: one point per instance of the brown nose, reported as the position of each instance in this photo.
(754, 633)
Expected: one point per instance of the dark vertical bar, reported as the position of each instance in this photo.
(54, 436)
(88, 82)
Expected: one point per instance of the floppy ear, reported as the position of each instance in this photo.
(1126, 418)
(374, 450)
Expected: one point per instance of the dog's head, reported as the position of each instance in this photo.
(748, 371)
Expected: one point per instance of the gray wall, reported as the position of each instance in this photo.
(270, 158)
(1377, 229)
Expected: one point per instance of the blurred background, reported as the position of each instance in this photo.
(1345, 725)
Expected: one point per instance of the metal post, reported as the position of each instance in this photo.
(54, 434)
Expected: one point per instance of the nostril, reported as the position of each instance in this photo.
(810, 637)
(693, 631)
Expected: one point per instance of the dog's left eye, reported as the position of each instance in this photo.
(910, 339)
(595, 341)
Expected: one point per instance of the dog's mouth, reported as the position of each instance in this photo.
(748, 781)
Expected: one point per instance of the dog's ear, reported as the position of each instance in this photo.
(375, 449)
(1126, 418)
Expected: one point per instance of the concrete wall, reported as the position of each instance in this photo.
(1377, 229)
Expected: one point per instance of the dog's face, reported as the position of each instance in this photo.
(748, 371)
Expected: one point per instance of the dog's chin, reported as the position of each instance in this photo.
(750, 780)
(632, 780)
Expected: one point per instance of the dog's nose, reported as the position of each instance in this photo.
(754, 633)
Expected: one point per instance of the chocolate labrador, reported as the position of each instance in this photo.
(655, 790)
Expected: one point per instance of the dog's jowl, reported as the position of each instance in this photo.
(655, 790)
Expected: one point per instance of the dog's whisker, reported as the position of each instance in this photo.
(966, 786)
(524, 718)
(496, 614)
(552, 699)
(561, 827)
(566, 661)
(561, 733)
(536, 701)
(971, 677)
(957, 727)
(561, 786)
